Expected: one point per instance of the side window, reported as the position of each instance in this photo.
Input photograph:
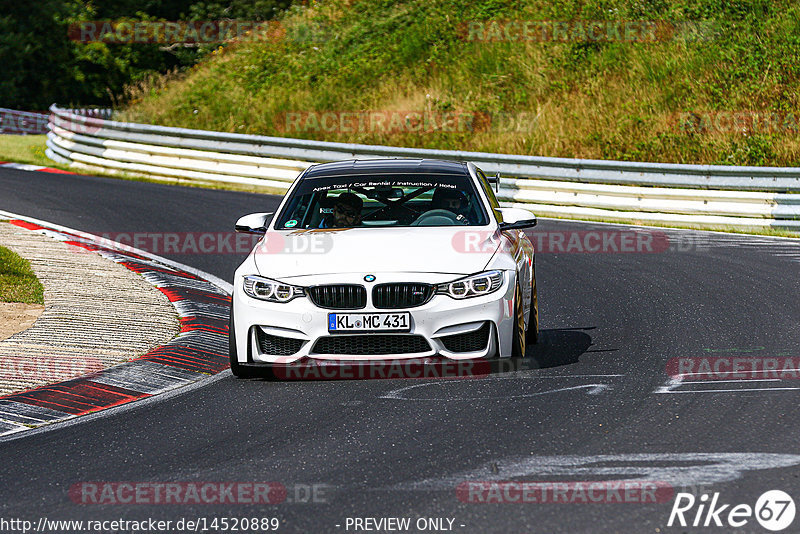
(487, 188)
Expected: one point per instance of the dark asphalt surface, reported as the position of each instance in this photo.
(610, 323)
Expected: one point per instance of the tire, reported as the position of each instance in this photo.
(519, 334)
(237, 369)
(533, 319)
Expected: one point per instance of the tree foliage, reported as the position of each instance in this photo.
(42, 65)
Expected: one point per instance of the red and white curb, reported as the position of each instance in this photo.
(29, 167)
(202, 302)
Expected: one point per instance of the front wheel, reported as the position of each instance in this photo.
(533, 319)
(520, 336)
(236, 368)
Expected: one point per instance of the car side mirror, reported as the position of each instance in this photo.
(516, 219)
(494, 180)
(519, 225)
(255, 223)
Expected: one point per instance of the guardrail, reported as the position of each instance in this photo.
(702, 195)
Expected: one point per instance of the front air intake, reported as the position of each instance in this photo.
(338, 296)
(371, 344)
(401, 295)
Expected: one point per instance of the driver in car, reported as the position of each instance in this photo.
(346, 212)
(453, 201)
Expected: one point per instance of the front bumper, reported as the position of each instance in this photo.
(300, 327)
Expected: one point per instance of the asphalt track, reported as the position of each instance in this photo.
(593, 402)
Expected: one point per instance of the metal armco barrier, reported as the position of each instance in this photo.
(702, 195)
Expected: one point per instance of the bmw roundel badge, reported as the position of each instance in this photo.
(369, 278)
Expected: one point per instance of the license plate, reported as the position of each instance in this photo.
(371, 322)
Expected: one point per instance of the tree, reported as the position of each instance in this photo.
(42, 65)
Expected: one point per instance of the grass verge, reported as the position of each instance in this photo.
(25, 149)
(720, 85)
(17, 281)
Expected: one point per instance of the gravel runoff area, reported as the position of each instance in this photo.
(16, 317)
(97, 314)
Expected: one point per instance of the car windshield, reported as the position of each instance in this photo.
(387, 200)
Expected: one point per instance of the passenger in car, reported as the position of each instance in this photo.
(451, 200)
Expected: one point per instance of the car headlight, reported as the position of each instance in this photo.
(475, 285)
(262, 288)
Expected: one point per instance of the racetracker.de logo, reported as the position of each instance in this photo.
(384, 121)
(584, 31)
(20, 122)
(390, 369)
(47, 369)
(177, 493)
(181, 31)
(587, 492)
(570, 242)
(738, 122)
(411, 122)
(218, 242)
(734, 368)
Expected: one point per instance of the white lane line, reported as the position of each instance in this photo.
(733, 381)
(573, 376)
(9, 428)
(671, 386)
(593, 389)
(745, 371)
(672, 392)
(22, 166)
(195, 309)
(147, 377)
(687, 469)
(19, 412)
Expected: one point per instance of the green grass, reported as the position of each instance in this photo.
(17, 281)
(604, 100)
(25, 149)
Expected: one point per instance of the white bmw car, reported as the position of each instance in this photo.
(375, 260)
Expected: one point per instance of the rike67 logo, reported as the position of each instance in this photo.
(774, 510)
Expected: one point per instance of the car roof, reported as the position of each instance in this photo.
(386, 166)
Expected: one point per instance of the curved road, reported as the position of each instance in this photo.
(593, 401)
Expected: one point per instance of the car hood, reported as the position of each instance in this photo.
(452, 250)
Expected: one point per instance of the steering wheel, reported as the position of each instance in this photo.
(437, 217)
